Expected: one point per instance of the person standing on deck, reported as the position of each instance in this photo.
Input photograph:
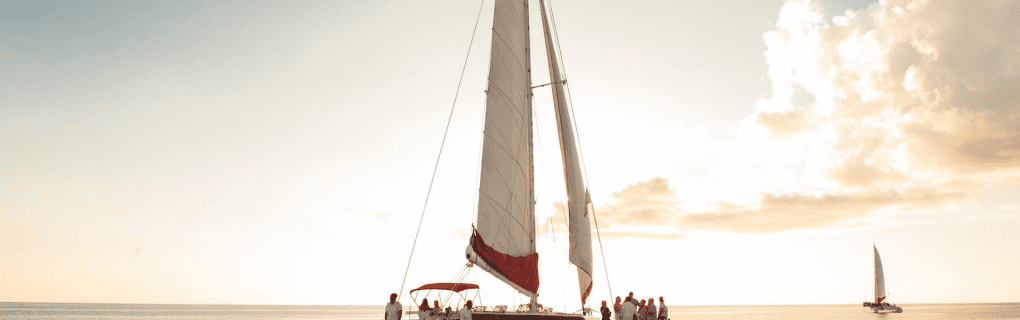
(663, 311)
(606, 314)
(617, 307)
(393, 309)
(642, 313)
(465, 313)
(652, 310)
(628, 310)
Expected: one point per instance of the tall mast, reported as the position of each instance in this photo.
(531, 175)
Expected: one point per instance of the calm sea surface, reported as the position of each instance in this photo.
(17, 310)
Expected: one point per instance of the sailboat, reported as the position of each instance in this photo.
(503, 241)
(880, 305)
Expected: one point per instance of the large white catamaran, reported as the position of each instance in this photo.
(503, 241)
(880, 305)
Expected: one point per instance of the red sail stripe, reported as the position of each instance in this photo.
(521, 270)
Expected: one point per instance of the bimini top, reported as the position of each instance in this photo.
(451, 286)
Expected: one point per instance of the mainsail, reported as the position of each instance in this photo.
(577, 194)
(503, 241)
(879, 278)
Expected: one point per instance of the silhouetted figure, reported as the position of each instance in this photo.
(606, 314)
(663, 311)
(393, 309)
(424, 312)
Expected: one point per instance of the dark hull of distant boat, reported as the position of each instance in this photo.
(882, 307)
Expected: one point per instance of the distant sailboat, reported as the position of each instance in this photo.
(503, 241)
(880, 305)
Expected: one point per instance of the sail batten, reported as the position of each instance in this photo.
(503, 241)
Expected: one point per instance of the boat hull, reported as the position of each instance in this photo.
(892, 310)
(513, 316)
(887, 311)
(527, 316)
(883, 307)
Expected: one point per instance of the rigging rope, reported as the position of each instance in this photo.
(577, 131)
(436, 168)
(478, 171)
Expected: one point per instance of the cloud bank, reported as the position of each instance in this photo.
(903, 105)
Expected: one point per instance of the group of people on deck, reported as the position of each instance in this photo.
(631, 309)
(393, 310)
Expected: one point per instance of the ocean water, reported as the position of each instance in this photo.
(19, 310)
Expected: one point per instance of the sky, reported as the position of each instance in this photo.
(737, 152)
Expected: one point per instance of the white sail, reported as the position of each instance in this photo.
(577, 195)
(879, 278)
(503, 242)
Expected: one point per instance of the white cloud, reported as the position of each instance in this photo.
(906, 104)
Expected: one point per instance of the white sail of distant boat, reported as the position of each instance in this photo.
(503, 239)
(879, 278)
(880, 305)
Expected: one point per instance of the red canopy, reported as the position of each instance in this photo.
(451, 286)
